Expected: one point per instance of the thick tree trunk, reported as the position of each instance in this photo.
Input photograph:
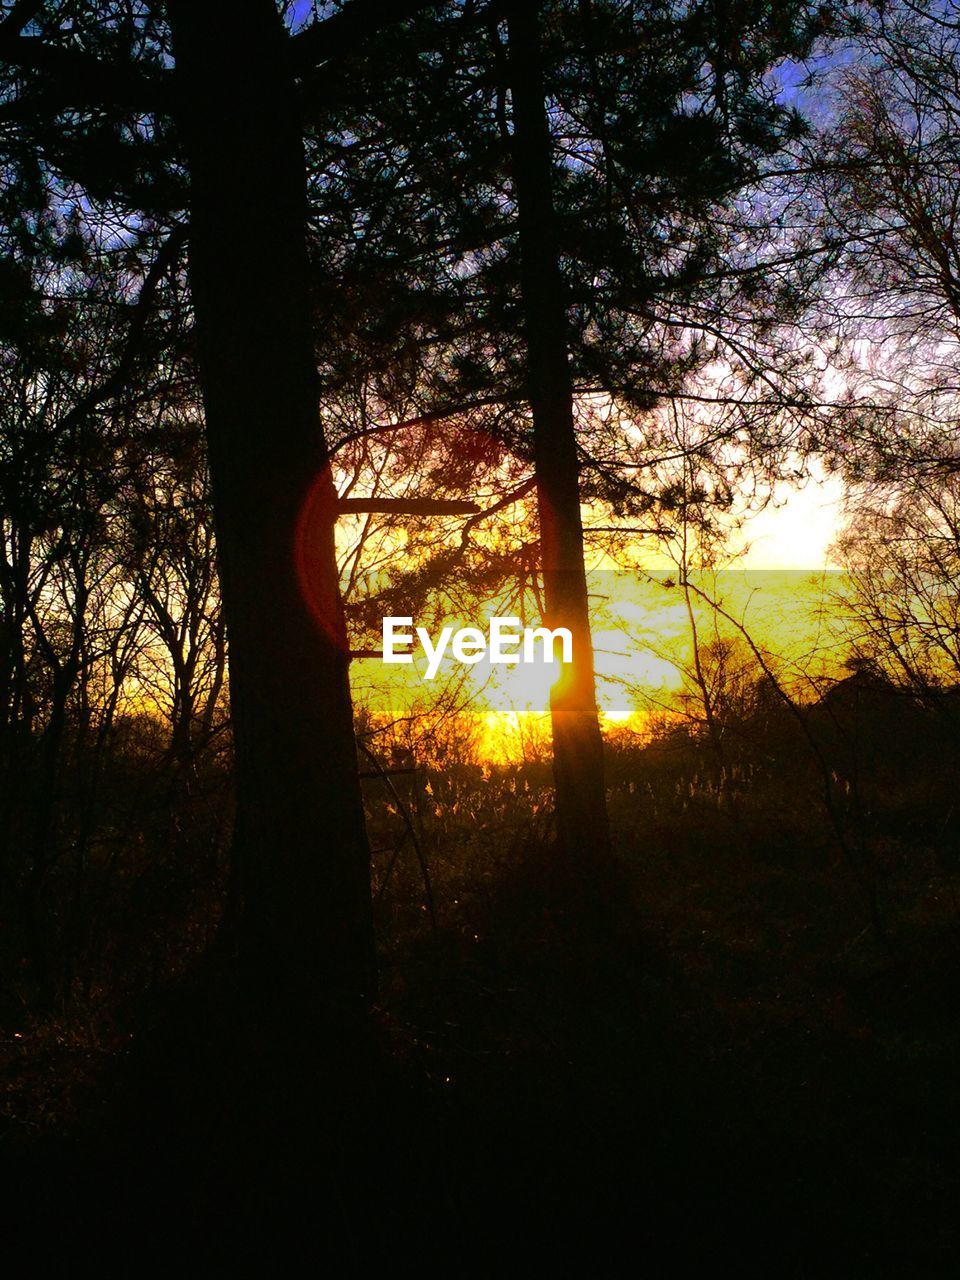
(577, 743)
(303, 858)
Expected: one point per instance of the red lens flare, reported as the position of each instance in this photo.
(318, 585)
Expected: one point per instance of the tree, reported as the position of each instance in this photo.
(888, 193)
(69, 335)
(82, 99)
(300, 837)
(166, 530)
(648, 123)
(584, 256)
(577, 743)
(901, 604)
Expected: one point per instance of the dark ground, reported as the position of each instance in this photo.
(734, 1072)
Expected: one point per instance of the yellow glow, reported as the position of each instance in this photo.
(641, 632)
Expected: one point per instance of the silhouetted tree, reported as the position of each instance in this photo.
(887, 191)
(577, 743)
(591, 279)
(300, 837)
(299, 829)
(901, 601)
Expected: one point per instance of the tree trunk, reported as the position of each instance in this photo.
(577, 744)
(303, 862)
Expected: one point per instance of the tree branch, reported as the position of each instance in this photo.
(83, 80)
(20, 16)
(349, 29)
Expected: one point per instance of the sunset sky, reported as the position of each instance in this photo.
(778, 582)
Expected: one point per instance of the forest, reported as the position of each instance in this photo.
(338, 330)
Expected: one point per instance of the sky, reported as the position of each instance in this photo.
(782, 590)
(797, 531)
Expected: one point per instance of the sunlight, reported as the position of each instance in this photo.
(643, 655)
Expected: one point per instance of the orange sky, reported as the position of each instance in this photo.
(641, 629)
